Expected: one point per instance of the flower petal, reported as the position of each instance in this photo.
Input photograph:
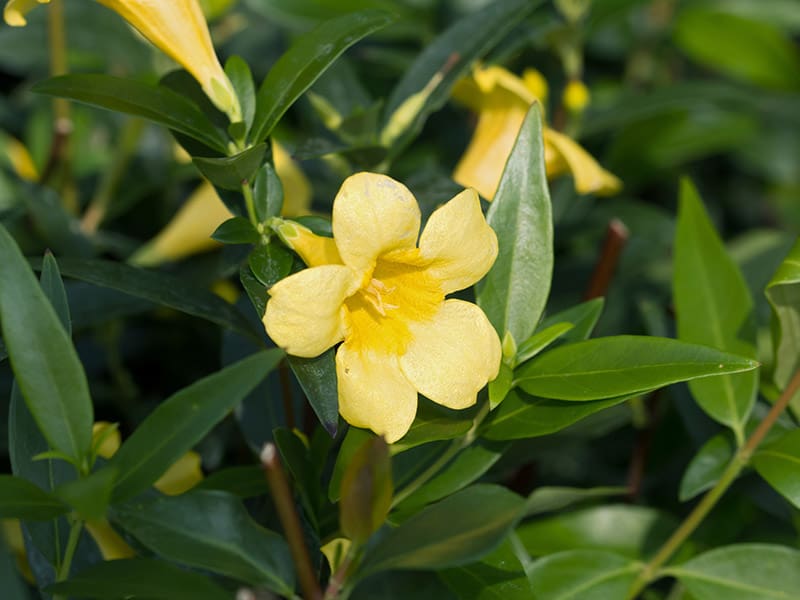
(15, 11)
(374, 393)
(568, 155)
(304, 312)
(373, 214)
(459, 242)
(453, 355)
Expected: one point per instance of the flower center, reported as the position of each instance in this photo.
(374, 293)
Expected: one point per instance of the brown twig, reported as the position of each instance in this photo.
(616, 238)
(641, 447)
(284, 504)
(286, 394)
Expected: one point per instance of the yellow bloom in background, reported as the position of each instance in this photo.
(501, 100)
(177, 28)
(14, 152)
(385, 299)
(189, 231)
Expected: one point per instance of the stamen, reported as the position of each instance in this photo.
(374, 295)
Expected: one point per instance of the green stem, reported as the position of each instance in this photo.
(729, 475)
(338, 581)
(250, 203)
(72, 544)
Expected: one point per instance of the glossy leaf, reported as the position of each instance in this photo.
(433, 423)
(458, 530)
(514, 292)
(210, 530)
(160, 288)
(182, 420)
(583, 317)
(500, 385)
(232, 172)
(706, 466)
(20, 499)
(267, 193)
(779, 463)
(524, 416)
(236, 230)
(270, 263)
(238, 71)
(317, 377)
(548, 499)
(541, 340)
(155, 103)
(308, 57)
(426, 85)
(47, 368)
(139, 578)
(582, 575)
(620, 365)
(783, 293)
(742, 572)
(714, 308)
(498, 576)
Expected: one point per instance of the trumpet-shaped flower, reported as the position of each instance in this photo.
(178, 28)
(501, 100)
(383, 296)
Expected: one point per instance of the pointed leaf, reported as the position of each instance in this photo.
(706, 467)
(779, 463)
(47, 368)
(583, 317)
(714, 308)
(236, 230)
(514, 292)
(20, 499)
(582, 575)
(625, 364)
(317, 377)
(232, 172)
(183, 420)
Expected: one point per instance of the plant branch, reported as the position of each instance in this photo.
(616, 238)
(72, 544)
(729, 475)
(284, 504)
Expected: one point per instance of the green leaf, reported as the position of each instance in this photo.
(244, 482)
(582, 575)
(89, 496)
(500, 385)
(427, 83)
(620, 365)
(706, 467)
(161, 288)
(256, 291)
(236, 230)
(548, 499)
(779, 463)
(783, 293)
(366, 491)
(308, 57)
(20, 499)
(498, 576)
(630, 531)
(10, 578)
(317, 377)
(210, 530)
(433, 423)
(541, 340)
(742, 572)
(53, 288)
(155, 103)
(267, 193)
(458, 530)
(514, 292)
(744, 49)
(524, 416)
(238, 71)
(583, 317)
(353, 440)
(270, 263)
(47, 368)
(139, 578)
(232, 172)
(182, 420)
(714, 308)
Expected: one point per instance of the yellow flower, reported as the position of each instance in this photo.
(176, 27)
(386, 300)
(189, 231)
(17, 156)
(501, 100)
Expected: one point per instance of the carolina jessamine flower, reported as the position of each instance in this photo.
(189, 231)
(501, 100)
(176, 27)
(385, 299)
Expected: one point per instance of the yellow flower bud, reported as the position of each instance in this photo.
(315, 250)
(576, 96)
(536, 84)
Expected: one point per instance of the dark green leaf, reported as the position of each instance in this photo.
(582, 316)
(139, 578)
(232, 172)
(305, 61)
(20, 499)
(714, 308)
(158, 104)
(10, 578)
(244, 482)
(498, 576)
(783, 293)
(514, 292)
(210, 530)
(547, 499)
(160, 288)
(53, 288)
(48, 371)
(256, 291)
(317, 377)
(426, 85)
(779, 463)
(582, 575)
(89, 496)
(458, 530)
(236, 230)
(620, 365)
(267, 193)
(270, 263)
(238, 71)
(742, 572)
(183, 420)
(523, 416)
(706, 466)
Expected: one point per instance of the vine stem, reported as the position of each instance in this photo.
(72, 544)
(729, 475)
(250, 203)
